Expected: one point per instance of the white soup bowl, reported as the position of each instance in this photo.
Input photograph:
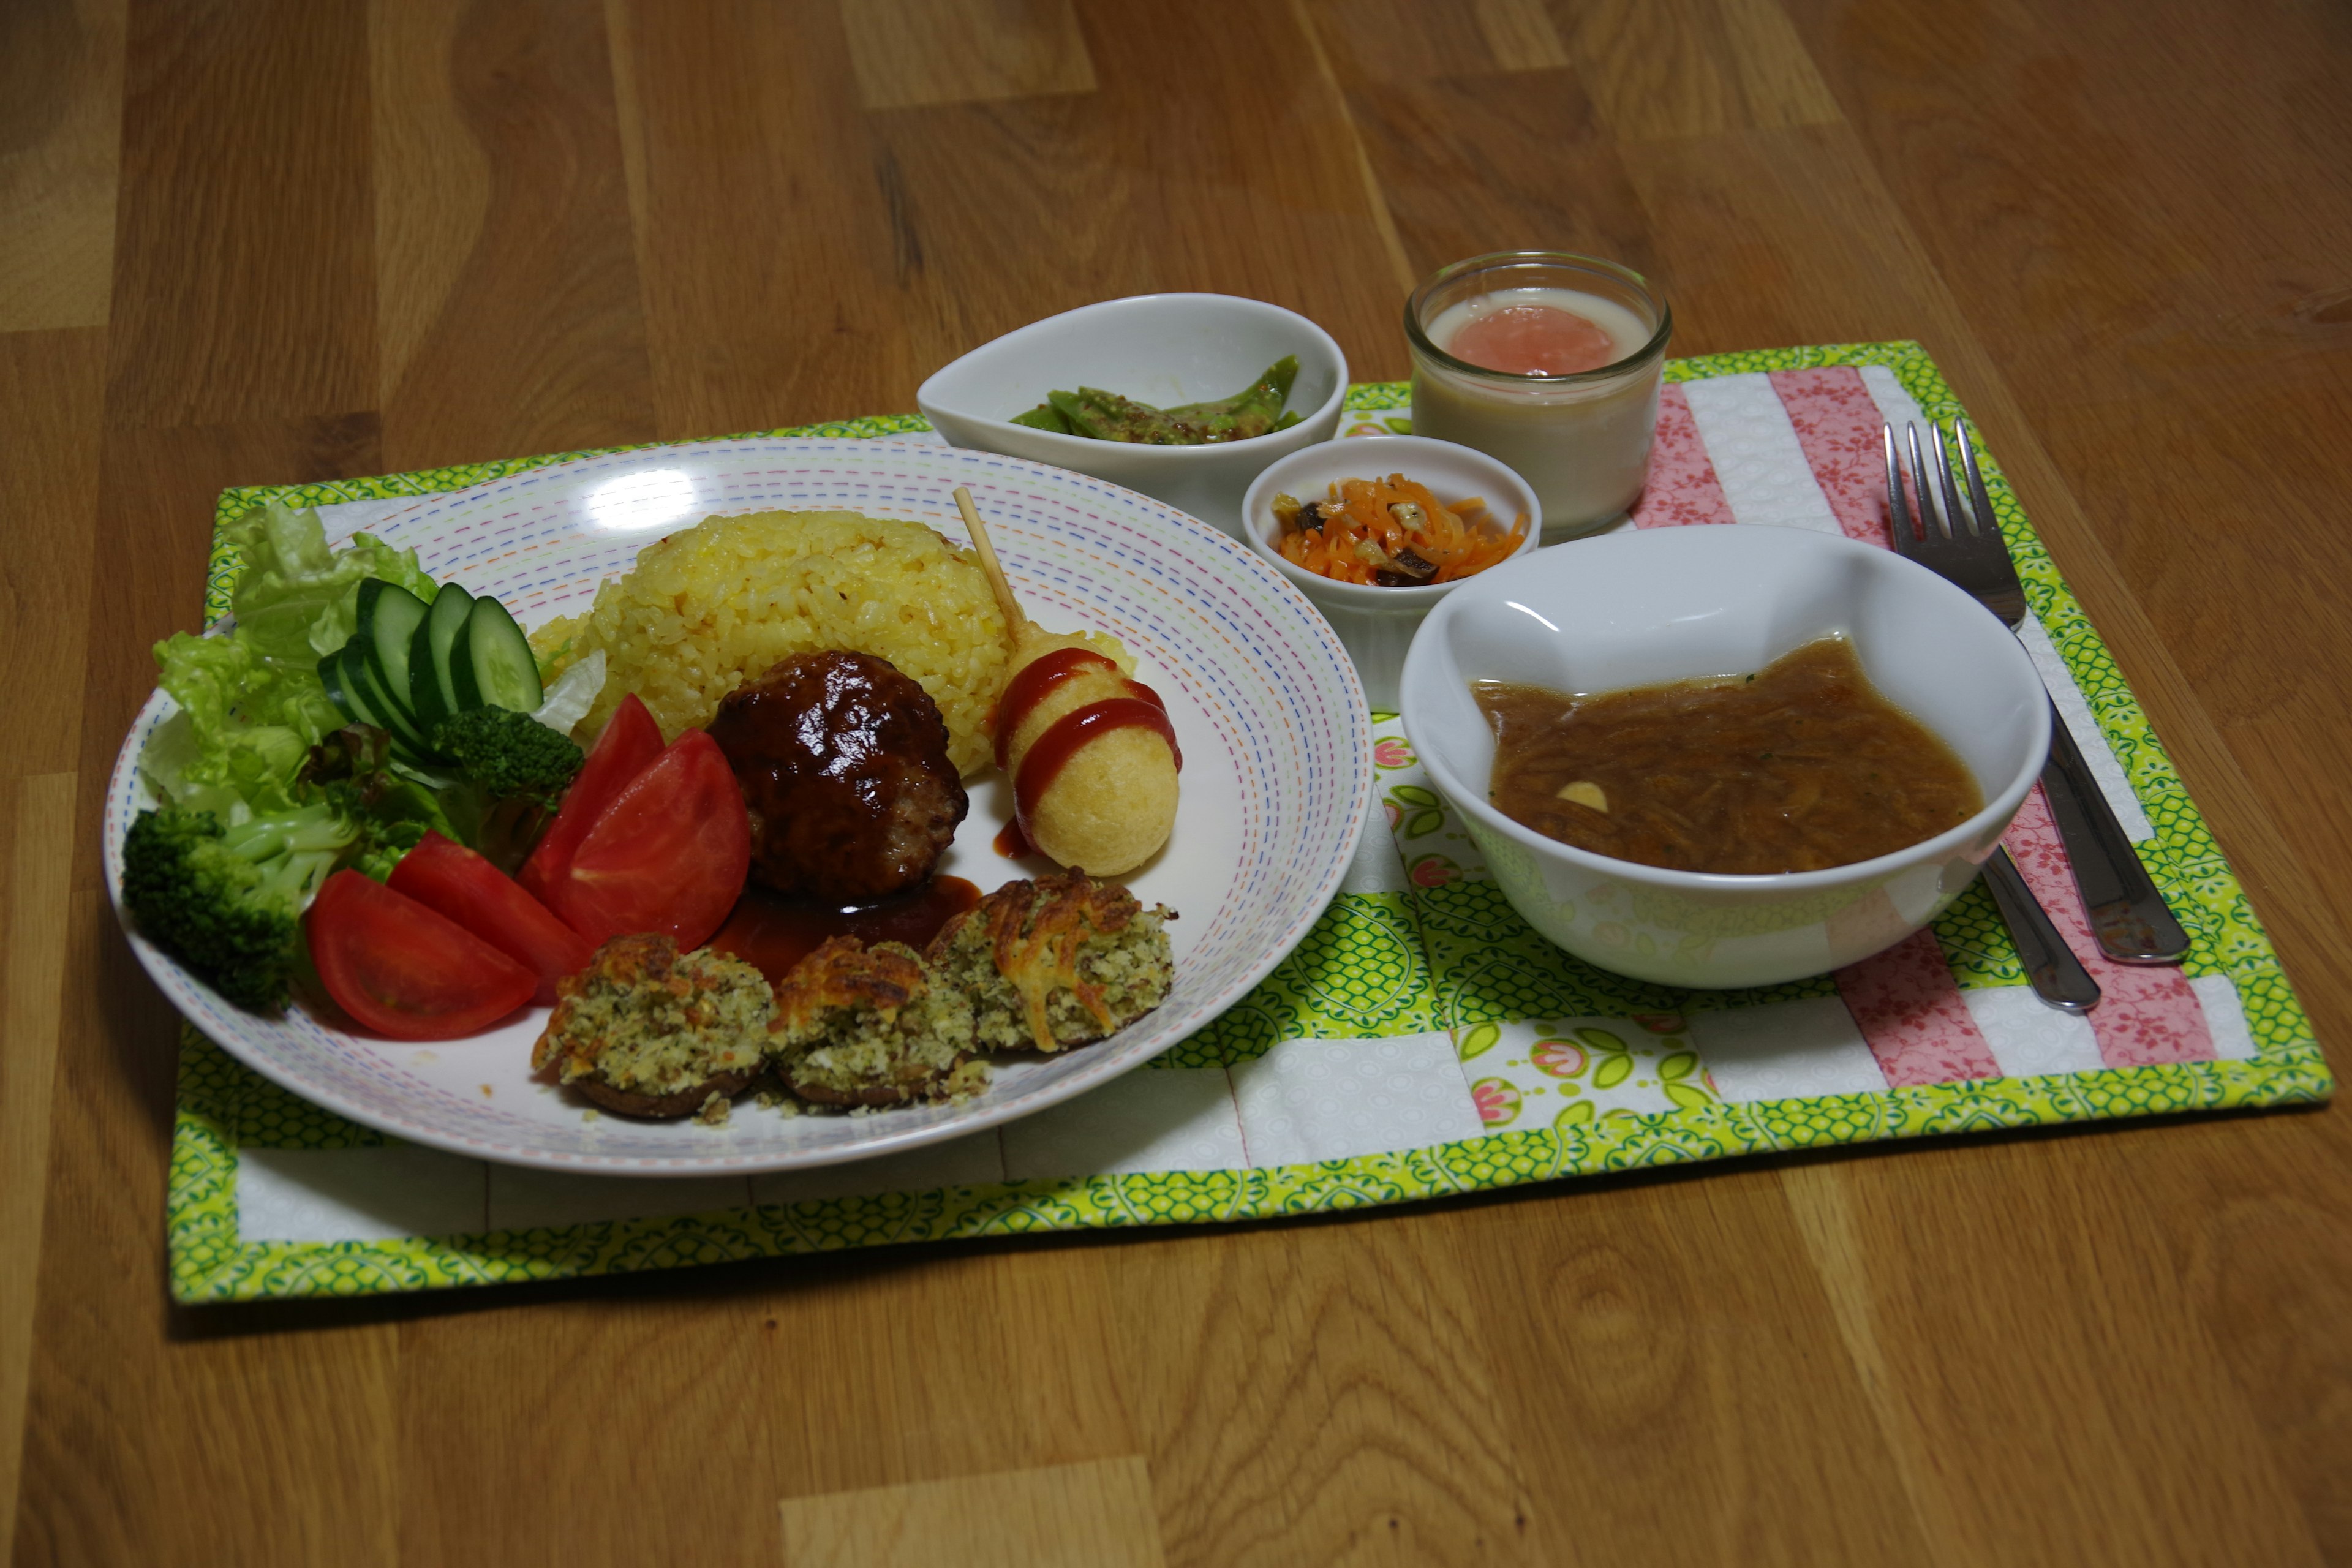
(1673, 604)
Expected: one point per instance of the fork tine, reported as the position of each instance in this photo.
(1959, 516)
(1932, 522)
(1977, 493)
(1898, 511)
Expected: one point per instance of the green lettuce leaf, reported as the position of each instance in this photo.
(251, 704)
(297, 599)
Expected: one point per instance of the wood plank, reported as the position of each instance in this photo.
(244, 142)
(1376, 206)
(1675, 1378)
(1080, 1516)
(1696, 67)
(60, 145)
(1316, 1394)
(2093, 1390)
(909, 53)
(1788, 236)
(769, 247)
(952, 1365)
(813, 1376)
(1397, 40)
(51, 387)
(1265, 195)
(1520, 35)
(2255, 1221)
(511, 315)
(660, 1395)
(36, 816)
(1474, 164)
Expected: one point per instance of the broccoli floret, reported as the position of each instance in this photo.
(512, 773)
(508, 755)
(228, 902)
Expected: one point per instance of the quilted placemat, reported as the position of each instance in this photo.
(1423, 1040)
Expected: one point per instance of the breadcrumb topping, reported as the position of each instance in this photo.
(1060, 960)
(649, 1022)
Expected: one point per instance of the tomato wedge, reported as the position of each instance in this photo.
(403, 971)
(459, 885)
(670, 854)
(629, 746)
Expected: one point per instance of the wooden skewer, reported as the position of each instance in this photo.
(1014, 619)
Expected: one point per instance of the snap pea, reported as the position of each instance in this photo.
(1091, 412)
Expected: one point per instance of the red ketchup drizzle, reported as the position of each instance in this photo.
(1061, 740)
(1030, 686)
(772, 933)
(1045, 757)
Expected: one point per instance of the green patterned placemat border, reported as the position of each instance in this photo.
(222, 1105)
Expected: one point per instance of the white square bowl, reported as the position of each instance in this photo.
(1160, 349)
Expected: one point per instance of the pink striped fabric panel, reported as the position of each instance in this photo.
(1910, 1013)
(1682, 488)
(1839, 427)
(2148, 1015)
(1905, 1000)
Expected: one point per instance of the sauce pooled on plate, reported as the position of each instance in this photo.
(1799, 767)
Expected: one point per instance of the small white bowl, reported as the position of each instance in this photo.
(1671, 603)
(1160, 349)
(1376, 625)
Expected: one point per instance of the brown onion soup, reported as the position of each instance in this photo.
(1799, 767)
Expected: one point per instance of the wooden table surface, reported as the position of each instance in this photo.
(292, 239)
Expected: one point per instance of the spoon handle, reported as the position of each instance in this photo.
(2056, 975)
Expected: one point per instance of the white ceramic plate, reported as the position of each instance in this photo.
(1277, 777)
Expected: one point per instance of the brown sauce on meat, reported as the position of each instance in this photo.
(844, 763)
(772, 933)
(1801, 767)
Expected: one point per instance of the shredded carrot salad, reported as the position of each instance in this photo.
(1392, 532)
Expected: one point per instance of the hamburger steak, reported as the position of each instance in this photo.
(843, 764)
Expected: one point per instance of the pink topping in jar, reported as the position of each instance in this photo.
(1534, 340)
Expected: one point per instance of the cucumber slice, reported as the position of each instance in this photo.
(330, 676)
(350, 686)
(389, 616)
(368, 699)
(496, 667)
(432, 684)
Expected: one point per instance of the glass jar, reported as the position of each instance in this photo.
(1580, 439)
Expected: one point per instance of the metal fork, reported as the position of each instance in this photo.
(2128, 917)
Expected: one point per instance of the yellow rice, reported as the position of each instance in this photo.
(706, 610)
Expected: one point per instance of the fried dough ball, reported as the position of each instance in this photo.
(843, 764)
(648, 1031)
(1062, 961)
(872, 1026)
(1112, 802)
